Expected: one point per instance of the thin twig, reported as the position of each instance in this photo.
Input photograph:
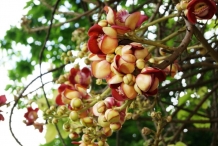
(40, 64)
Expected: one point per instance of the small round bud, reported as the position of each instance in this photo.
(107, 131)
(84, 47)
(102, 121)
(69, 53)
(54, 121)
(66, 60)
(145, 131)
(81, 54)
(110, 57)
(153, 114)
(76, 103)
(99, 81)
(87, 121)
(66, 126)
(115, 126)
(129, 79)
(87, 61)
(118, 50)
(112, 116)
(73, 135)
(74, 115)
(169, 119)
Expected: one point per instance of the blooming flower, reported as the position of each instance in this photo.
(200, 9)
(148, 80)
(124, 22)
(102, 40)
(31, 115)
(82, 77)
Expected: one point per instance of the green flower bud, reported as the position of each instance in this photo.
(87, 121)
(54, 121)
(112, 116)
(74, 115)
(115, 126)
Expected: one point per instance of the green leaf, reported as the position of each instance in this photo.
(50, 133)
(180, 144)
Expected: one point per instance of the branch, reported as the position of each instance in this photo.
(194, 111)
(178, 51)
(90, 12)
(40, 63)
(205, 44)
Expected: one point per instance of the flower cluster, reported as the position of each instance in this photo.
(197, 9)
(124, 68)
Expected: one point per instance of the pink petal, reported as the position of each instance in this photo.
(96, 57)
(129, 91)
(58, 100)
(100, 69)
(110, 15)
(141, 20)
(93, 45)
(95, 30)
(108, 45)
(127, 68)
(132, 20)
(143, 81)
(3, 99)
(110, 32)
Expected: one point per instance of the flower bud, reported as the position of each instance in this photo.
(129, 79)
(54, 121)
(87, 121)
(102, 121)
(140, 63)
(145, 131)
(84, 47)
(115, 126)
(128, 116)
(112, 116)
(110, 57)
(66, 126)
(87, 61)
(52, 108)
(107, 131)
(118, 50)
(76, 103)
(101, 107)
(169, 119)
(99, 81)
(74, 115)
(73, 135)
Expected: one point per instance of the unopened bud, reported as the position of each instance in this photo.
(99, 81)
(87, 121)
(110, 57)
(112, 116)
(74, 115)
(76, 103)
(145, 131)
(115, 126)
(73, 135)
(169, 119)
(129, 79)
(102, 121)
(140, 63)
(118, 50)
(54, 121)
(107, 131)
(66, 126)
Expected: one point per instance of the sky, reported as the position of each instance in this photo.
(11, 12)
